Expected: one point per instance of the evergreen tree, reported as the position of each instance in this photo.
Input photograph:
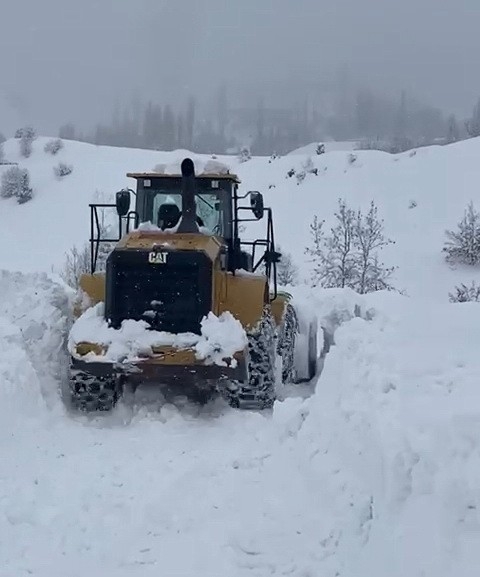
(473, 124)
(16, 183)
(222, 111)
(169, 129)
(180, 139)
(463, 245)
(27, 136)
(190, 123)
(453, 131)
(67, 131)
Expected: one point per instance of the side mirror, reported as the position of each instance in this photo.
(122, 200)
(256, 202)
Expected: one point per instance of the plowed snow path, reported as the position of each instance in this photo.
(377, 474)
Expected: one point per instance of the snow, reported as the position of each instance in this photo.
(221, 337)
(441, 180)
(376, 472)
(202, 165)
(330, 146)
(148, 227)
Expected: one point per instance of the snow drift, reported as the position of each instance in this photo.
(377, 473)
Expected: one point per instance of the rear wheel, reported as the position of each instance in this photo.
(286, 344)
(259, 391)
(91, 393)
(297, 347)
(312, 352)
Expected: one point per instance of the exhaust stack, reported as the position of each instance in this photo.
(188, 224)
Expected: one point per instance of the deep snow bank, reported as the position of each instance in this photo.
(376, 474)
(34, 319)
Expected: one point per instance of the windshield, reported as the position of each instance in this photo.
(164, 209)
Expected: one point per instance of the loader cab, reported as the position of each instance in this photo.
(201, 204)
(159, 201)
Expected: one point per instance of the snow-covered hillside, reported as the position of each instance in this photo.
(441, 180)
(375, 473)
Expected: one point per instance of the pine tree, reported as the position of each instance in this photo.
(180, 131)
(25, 192)
(401, 140)
(67, 131)
(453, 131)
(169, 129)
(463, 245)
(473, 124)
(190, 123)
(27, 136)
(16, 183)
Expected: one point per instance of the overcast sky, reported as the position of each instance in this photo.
(68, 59)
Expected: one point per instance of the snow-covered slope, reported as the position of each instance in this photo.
(441, 180)
(377, 473)
(330, 146)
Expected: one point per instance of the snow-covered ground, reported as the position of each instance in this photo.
(330, 146)
(440, 180)
(377, 473)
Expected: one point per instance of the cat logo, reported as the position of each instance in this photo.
(157, 257)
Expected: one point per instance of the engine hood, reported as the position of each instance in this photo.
(149, 240)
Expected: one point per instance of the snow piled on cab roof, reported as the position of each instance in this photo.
(202, 166)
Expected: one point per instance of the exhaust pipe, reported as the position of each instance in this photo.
(188, 224)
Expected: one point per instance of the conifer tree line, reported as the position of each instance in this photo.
(227, 124)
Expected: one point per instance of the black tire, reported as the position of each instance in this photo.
(259, 392)
(286, 345)
(89, 393)
(312, 353)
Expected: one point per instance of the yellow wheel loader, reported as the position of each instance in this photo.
(179, 259)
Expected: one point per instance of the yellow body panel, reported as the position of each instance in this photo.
(164, 355)
(94, 286)
(242, 295)
(145, 240)
(278, 307)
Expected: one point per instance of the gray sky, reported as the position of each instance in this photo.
(69, 59)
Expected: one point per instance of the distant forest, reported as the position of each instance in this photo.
(374, 121)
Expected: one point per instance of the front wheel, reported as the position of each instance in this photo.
(259, 391)
(89, 393)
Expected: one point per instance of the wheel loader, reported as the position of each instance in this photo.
(179, 257)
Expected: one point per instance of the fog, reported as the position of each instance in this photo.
(64, 60)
